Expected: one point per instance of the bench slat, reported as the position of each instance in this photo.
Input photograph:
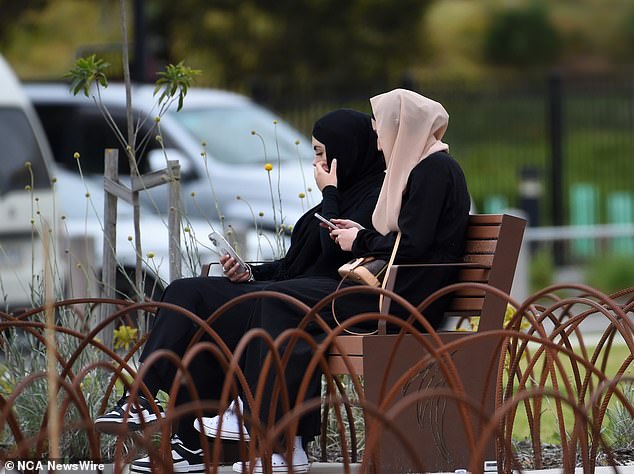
(486, 260)
(466, 304)
(338, 366)
(479, 275)
(482, 219)
(483, 232)
(480, 246)
(348, 344)
(469, 292)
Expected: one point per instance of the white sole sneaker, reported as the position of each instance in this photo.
(232, 429)
(129, 415)
(278, 464)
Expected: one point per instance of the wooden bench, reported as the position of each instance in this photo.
(491, 255)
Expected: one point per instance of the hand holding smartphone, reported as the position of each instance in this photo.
(325, 221)
(222, 247)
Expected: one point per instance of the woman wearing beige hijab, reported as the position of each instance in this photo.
(424, 196)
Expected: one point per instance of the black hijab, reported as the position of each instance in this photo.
(348, 137)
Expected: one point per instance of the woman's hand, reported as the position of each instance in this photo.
(346, 224)
(324, 176)
(230, 270)
(345, 237)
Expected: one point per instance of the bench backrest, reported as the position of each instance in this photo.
(491, 252)
(492, 247)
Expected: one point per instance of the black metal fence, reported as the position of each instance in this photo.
(560, 147)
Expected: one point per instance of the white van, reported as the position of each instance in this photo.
(211, 137)
(25, 193)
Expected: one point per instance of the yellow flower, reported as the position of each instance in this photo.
(302, 195)
(186, 229)
(296, 142)
(124, 336)
(508, 316)
(274, 122)
(157, 119)
(261, 214)
(150, 255)
(76, 155)
(27, 187)
(27, 164)
(130, 238)
(268, 167)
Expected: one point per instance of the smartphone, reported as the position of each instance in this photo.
(222, 247)
(325, 221)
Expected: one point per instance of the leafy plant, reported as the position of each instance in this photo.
(611, 273)
(176, 79)
(541, 269)
(86, 72)
(620, 429)
(25, 355)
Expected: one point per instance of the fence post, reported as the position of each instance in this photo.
(174, 220)
(82, 260)
(109, 267)
(555, 124)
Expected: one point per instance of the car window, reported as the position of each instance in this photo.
(19, 145)
(73, 128)
(227, 132)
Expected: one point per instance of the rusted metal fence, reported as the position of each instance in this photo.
(548, 361)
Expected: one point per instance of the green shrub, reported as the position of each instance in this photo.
(522, 37)
(611, 273)
(541, 269)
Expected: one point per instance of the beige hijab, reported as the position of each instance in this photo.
(410, 128)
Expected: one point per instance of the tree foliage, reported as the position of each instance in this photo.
(12, 10)
(522, 36)
(338, 42)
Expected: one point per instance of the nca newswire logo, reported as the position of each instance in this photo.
(51, 465)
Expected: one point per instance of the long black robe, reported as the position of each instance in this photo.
(348, 136)
(433, 220)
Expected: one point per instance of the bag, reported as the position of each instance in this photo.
(369, 271)
(364, 270)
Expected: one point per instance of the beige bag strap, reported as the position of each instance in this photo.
(388, 270)
(381, 326)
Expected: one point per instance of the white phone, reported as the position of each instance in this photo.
(222, 247)
(325, 221)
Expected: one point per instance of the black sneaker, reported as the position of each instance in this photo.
(117, 420)
(183, 459)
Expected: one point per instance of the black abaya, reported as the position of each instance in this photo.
(433, 221)
(348, 136)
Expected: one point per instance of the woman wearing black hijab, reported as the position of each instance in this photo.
(350, 188)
